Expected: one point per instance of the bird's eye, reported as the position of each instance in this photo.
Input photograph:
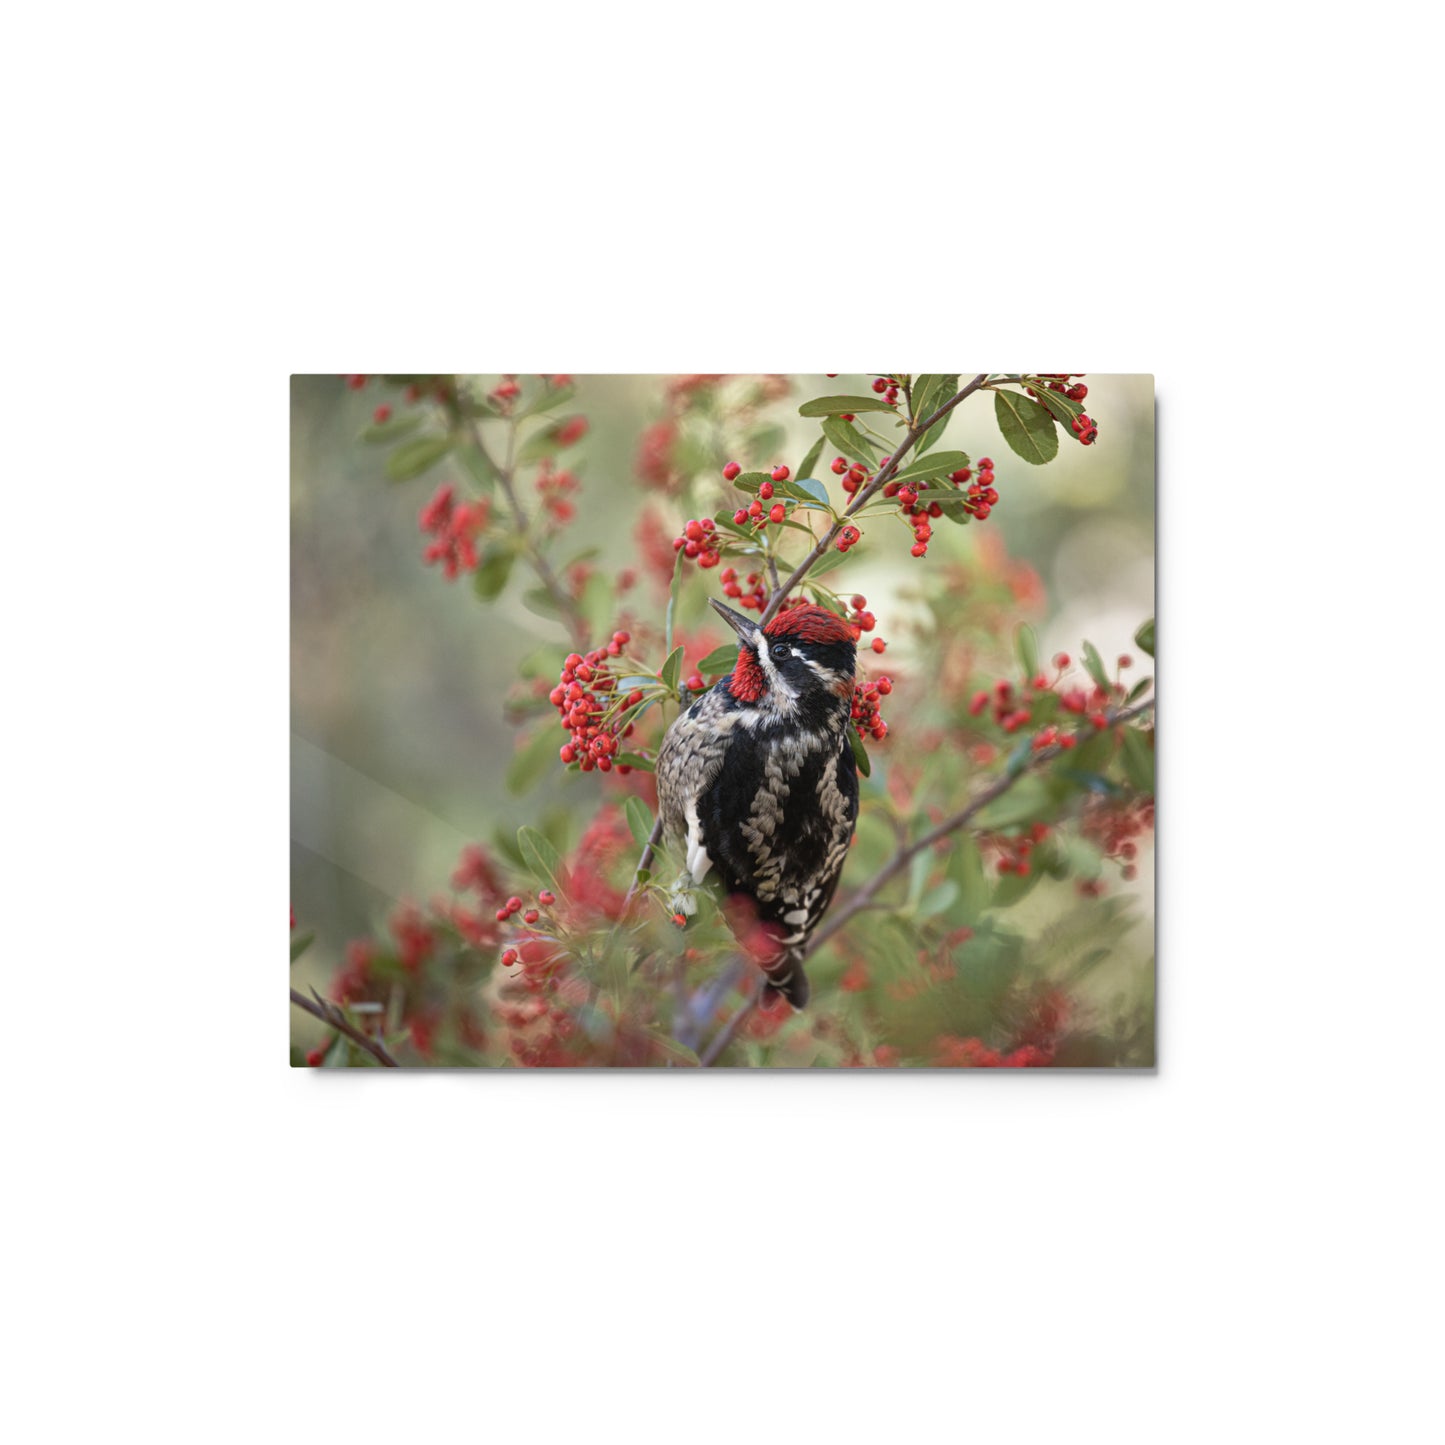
(781, 650)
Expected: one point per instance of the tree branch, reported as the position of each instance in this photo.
(881, 479)
(863, 898)
(724, 1036)
(332, 1016)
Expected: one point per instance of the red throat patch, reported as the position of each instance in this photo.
(809, 623)
(749, 681)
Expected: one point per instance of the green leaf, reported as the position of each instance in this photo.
(672, 669)
(541, 601)
(477, 463)
(842, 405)
(808, 487)
(929, 394)
(300, 944)
(1138, 690)
(1028, 801)
(639, 820)
(491, 576)
(765, 443)
(540, 444)
(393, 429)
(720, 659)
(412, 458)
(635, 760)
(965, 867)
(1138, 761)
(1063, 409)
(940, 464)
(826, 563)
(1027, 646)
(1094, 666)
(1027, 427)
(534, 757)
(854, 446)
(1144, 638)
(939, 899)
(810, 460)
(548, 399)
(954, 510)
(860, 753)
(542, 859)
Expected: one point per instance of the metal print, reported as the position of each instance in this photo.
(723, 721)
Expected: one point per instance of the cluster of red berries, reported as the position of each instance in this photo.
(1010, 708)
(556, 488)
(415, 940)
(980, 497)
(1014, 849)
(513, 906)
(754, 599)
(859, 618)
(956, 1053)
(887, 388)
(866, 714)
(454, 528)
(578, 698)
(854, 474)
(758, 512)
(848, 537)
(1114, 826)
(1059, 381)
(541, 959)
(1085, 429)
(699, 540)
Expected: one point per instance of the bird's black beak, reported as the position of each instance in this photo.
(745, 627)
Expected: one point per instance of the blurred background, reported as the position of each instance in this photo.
(399, 743)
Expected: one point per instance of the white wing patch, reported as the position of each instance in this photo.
(698, 861)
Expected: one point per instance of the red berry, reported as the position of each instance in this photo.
(531, 916)
(510, 957)
(732, 470)
(919, 549)
(777, 512)
(985, 464)
(766, 491)
(839, 466)
(381, 414)
(780, 474)
(546, 898)
(740, 516)
(878, 644)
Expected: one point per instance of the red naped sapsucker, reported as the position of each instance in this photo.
(756, 783)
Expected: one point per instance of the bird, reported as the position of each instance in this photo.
(757, 786)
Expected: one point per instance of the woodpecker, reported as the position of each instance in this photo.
(757, 785)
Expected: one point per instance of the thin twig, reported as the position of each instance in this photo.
(863, 898)
(880, 480)
(331, 1015)
(566, 604)
(724, 1036)
(643, 864)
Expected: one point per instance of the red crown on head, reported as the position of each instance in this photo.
(810, 623)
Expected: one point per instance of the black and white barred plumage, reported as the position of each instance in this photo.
(756, 782)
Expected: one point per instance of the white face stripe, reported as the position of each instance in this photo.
(775, 678)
